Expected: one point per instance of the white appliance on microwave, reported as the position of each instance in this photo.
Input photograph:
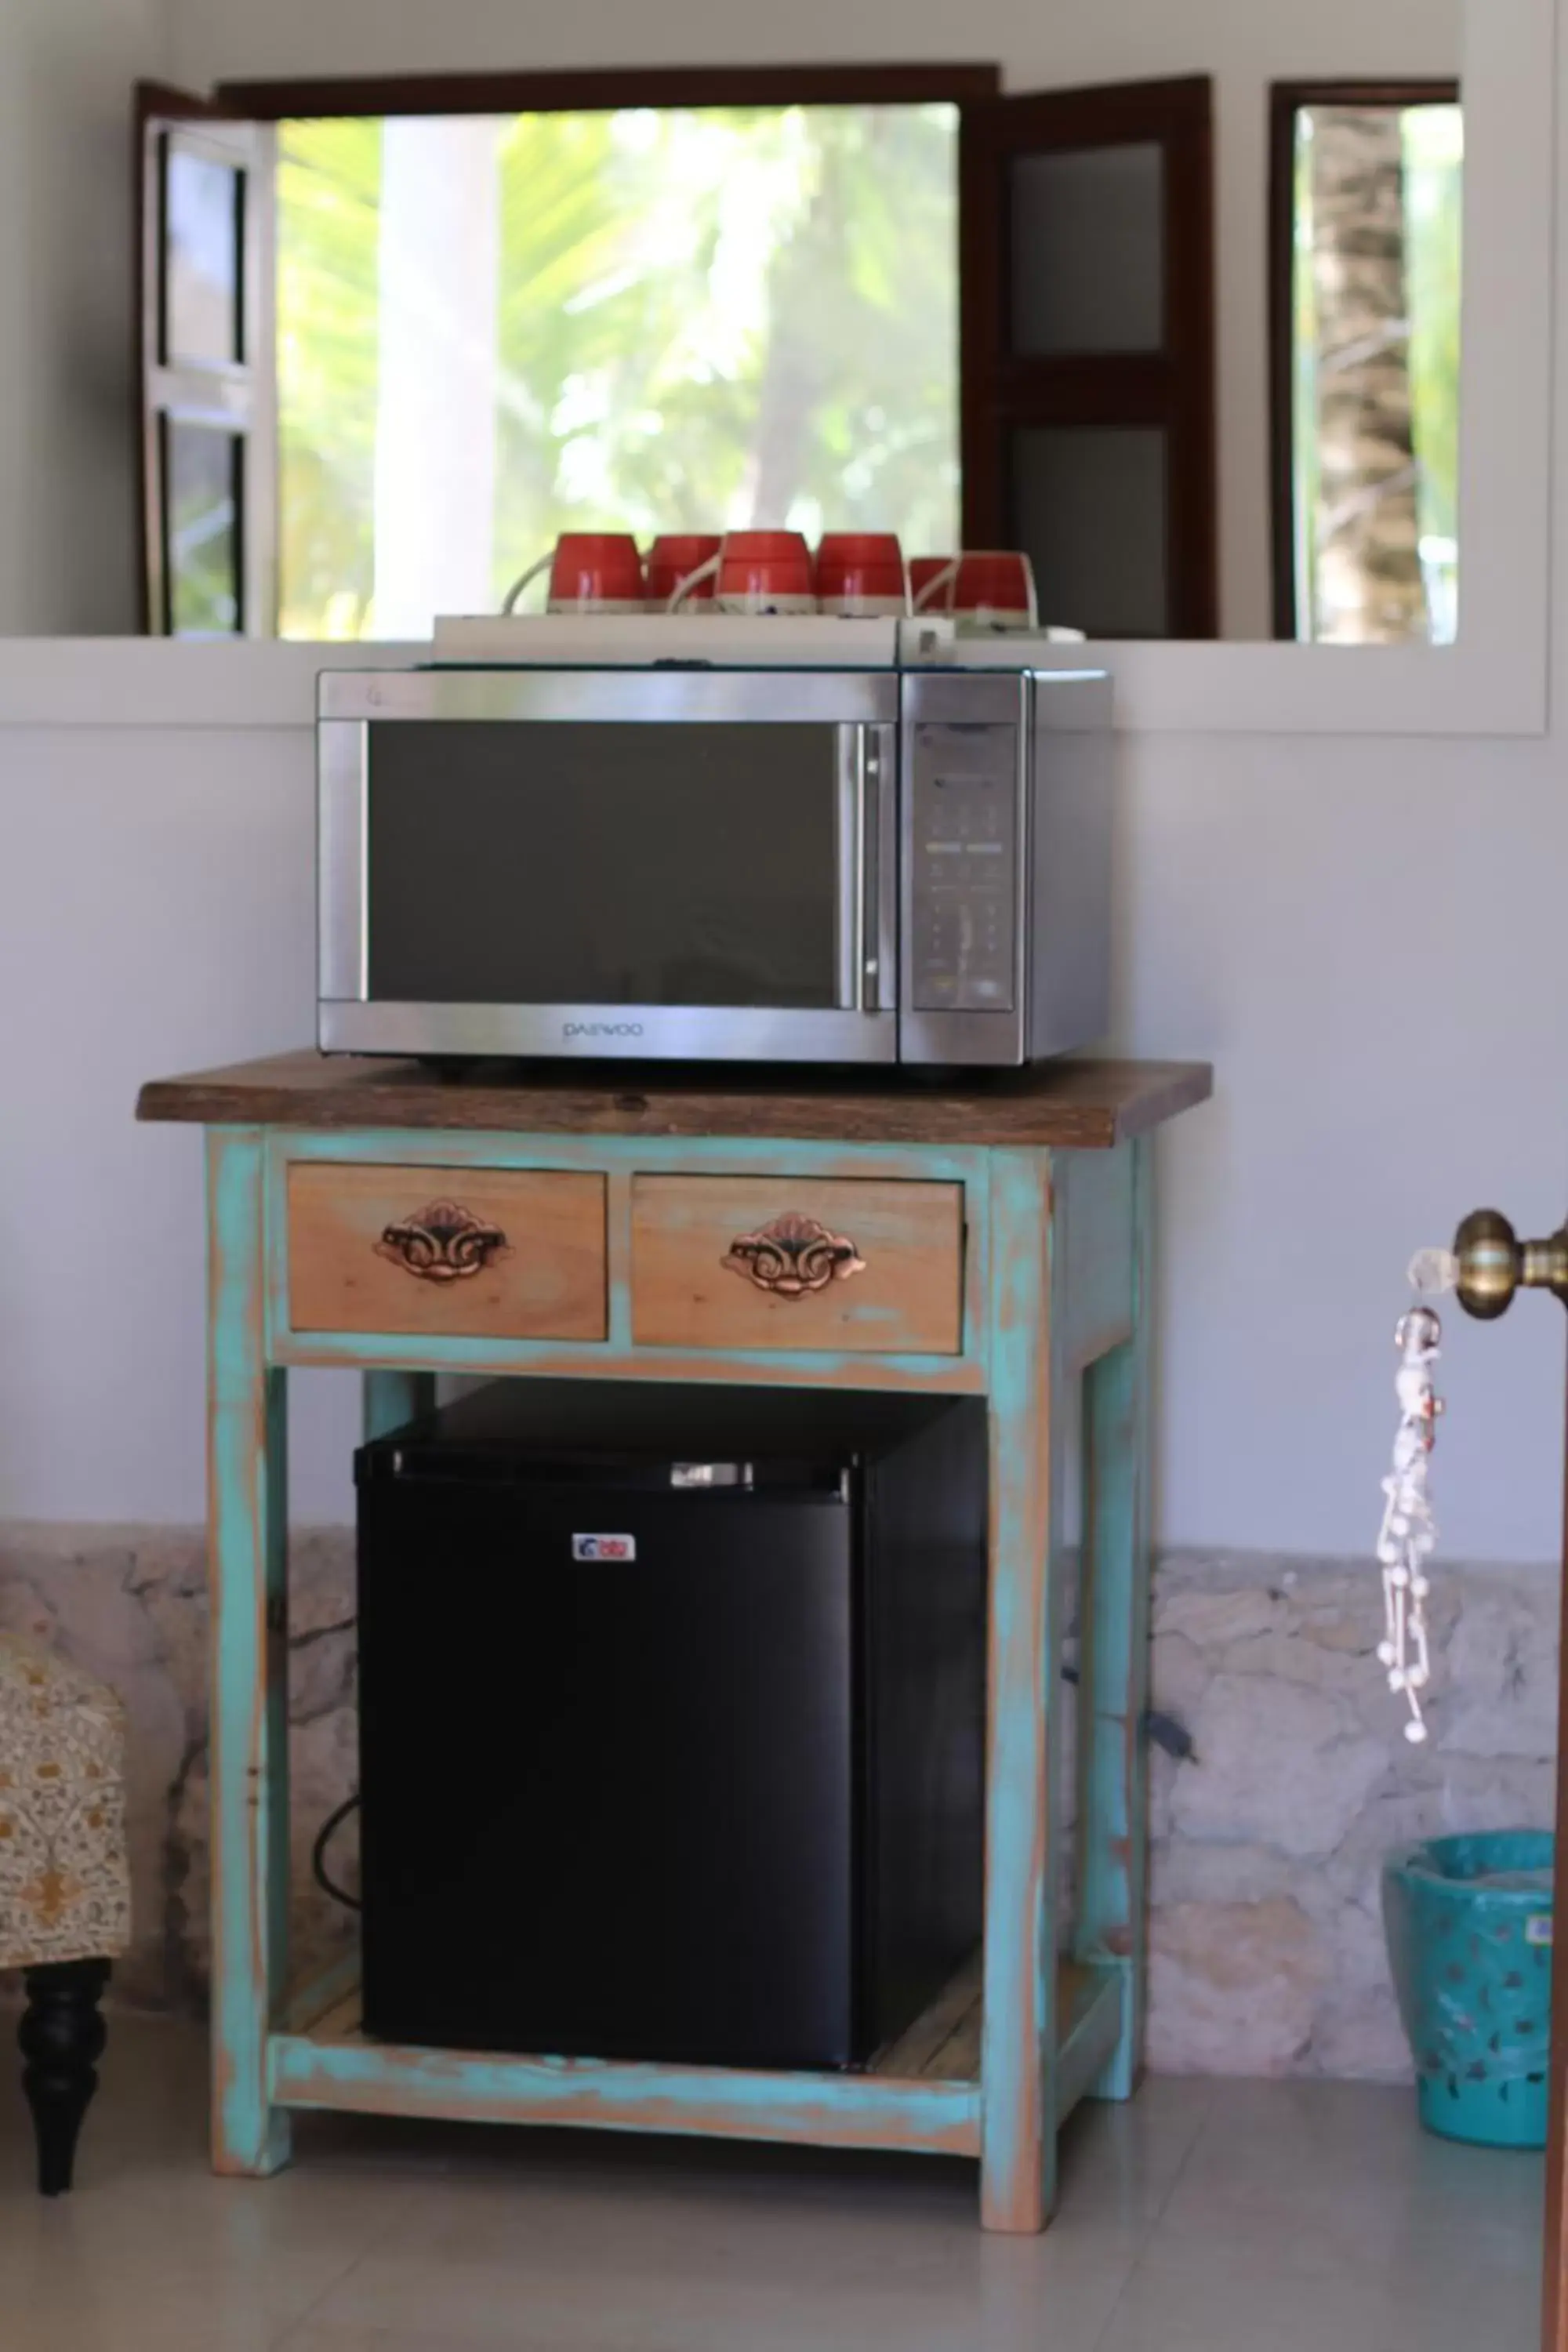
(716, 839)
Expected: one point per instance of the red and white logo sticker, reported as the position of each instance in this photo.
(603, 1547)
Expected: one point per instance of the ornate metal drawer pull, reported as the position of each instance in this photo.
(443, 1242)
(793, 1255)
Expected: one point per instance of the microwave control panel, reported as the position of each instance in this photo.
(963, 846)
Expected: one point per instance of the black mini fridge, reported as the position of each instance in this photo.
(671, 1720)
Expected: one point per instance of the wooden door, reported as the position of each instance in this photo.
(205, 183)
(1087, 277)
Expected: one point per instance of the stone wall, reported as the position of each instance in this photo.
(1268, 1945)
(130, 1605)
(1267, 1941)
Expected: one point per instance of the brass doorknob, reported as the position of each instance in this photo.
(1494, 1263)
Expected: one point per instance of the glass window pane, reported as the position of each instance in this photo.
(495, 329)
(201, 496)
(603, 865)
(202, 231)
(1088, 505)
(1089, 251)
(1379, 194)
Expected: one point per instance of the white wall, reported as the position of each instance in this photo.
(67, 464)
(1245, 44)
(1368, 938)
(156, 912)
(1368, 941)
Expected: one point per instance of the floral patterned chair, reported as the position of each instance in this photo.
(65, 1886)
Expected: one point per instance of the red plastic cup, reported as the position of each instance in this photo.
(925, 572)
(861, 572)
(759, 572)
(995, 587)
(992, 589)
(673, 558)
(590, 571)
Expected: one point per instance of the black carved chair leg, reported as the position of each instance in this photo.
(62, 2036)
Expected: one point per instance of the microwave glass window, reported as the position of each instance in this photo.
(574, 863)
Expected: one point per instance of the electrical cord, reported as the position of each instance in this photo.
(324, 1836)
(1164, 1730)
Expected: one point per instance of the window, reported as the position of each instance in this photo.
(490, 309)
(493, 327)
(1366, 268)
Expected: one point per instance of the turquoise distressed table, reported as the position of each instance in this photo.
(983, 1236)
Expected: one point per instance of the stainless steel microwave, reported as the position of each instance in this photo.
(873, 864)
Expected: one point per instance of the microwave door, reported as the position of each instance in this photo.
(697, 866)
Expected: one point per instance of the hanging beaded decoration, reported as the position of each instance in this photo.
(1409, 1533)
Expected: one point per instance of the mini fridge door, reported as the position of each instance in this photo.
(608, 1770)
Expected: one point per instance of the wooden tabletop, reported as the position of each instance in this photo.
(1071, 1105)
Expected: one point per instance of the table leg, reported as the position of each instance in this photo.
(247, 1567)
(1019, 2065)
(1113, 1793)
(393, 1398)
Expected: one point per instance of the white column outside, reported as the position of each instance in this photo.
(435, 407)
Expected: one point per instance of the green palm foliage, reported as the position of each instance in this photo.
(328, 190)
(1385, 333)
(704, 318)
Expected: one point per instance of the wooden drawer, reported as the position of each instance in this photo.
(765, 1262)
(495, 1253)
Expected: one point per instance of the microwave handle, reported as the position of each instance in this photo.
(851, 871)
(866, 851)
(879, 870)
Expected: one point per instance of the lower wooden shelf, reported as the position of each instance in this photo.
(922, 2092)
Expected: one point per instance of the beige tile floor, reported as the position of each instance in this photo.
(1206, 2218)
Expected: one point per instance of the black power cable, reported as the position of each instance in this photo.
(1162, 1729)
(324, 1836)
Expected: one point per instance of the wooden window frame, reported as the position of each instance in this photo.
(1287, 99)
(974, 90)
(594, 92)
